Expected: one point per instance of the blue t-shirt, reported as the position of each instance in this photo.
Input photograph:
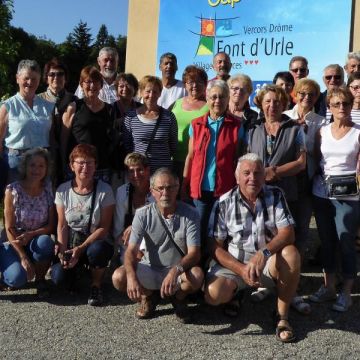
(208, 182)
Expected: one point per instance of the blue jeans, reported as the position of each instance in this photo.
(97, 256)
(39, 249)
(337, 223)
(204, 206)
(301, 211)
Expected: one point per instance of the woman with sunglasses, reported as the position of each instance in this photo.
(333, 78)
(336, 198)
(55, 76)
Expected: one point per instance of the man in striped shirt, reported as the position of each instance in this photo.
(254, 237)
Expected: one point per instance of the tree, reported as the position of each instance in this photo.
(8, 47)
(102, 37)
(81, 39)
(121, 48)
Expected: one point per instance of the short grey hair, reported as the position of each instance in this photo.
(219, 84)
(163, 171)
(27, 64)
(109, 50)
(337, 68)
(252, 157)
(28, 155)
(353, 55)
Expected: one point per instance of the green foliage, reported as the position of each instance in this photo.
(8, 47)
(76, 52)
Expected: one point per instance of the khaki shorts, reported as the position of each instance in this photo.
(152, 278)
(216, 270)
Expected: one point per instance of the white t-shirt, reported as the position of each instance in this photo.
(339, 157)
(170, 95)
(77, 206)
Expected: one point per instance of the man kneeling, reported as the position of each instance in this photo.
(255, 221)
(170, 229)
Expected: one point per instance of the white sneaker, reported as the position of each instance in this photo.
(343, 302)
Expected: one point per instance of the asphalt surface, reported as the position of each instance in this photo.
(65, 327)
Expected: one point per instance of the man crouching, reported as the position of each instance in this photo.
(170, 229)
(254, 220)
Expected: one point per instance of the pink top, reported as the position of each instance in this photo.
(31, 212)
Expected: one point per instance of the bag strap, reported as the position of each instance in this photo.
(168, 232)
(92, 206)
(130, 199)
(153, 133)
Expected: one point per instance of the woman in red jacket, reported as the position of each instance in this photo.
(214, 146)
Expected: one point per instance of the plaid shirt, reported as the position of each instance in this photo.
(244, 230)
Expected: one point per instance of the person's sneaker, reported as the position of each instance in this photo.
(343, 302)
(322, 295)
(96, 296)
(147, 307)
(181, 310)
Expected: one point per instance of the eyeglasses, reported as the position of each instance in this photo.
(355, 88)
(299, 70)
(217, 97)
(94, 82)
(337, 105)
(56, 74)
(238, 89)
(82, 163)
(335, 77)
(304, 94)
(161, 189)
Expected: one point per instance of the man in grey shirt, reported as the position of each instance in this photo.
(170, 229)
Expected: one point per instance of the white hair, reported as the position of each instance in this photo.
(252, 157)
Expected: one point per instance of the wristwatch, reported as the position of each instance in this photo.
(266, 252)
(179, 268)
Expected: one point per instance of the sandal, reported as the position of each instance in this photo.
(285, 327)
(300, 305)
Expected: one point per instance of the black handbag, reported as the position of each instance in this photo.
(342, 185)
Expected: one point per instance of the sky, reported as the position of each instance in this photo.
(260, 43)
(56, 19)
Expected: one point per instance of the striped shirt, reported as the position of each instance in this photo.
(248, 231)
(137, 135)
(355, 116)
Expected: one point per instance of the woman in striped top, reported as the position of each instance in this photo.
(354, 85)
(151, 130)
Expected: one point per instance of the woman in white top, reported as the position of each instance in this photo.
(129, 197)
(337, 207)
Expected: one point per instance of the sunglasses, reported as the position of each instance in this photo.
(300, 70)
(337, 105)
(335, 77)
(308, 94)
(56, 74)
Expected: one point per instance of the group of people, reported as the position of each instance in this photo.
(182, 182)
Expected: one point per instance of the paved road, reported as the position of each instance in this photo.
(65, 327)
